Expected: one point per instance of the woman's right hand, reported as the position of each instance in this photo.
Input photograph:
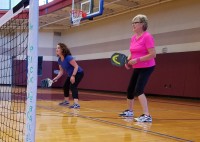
(55, 80)
(127, 66)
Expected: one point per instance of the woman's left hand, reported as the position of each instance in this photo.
(72, 79)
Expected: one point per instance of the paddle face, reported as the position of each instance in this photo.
(45, 83)
(118, 59)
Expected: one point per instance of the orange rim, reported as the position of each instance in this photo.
(78, 12)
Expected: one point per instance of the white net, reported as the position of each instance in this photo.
(76, 16)
(13, 54)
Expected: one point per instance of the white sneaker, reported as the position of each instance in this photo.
(144, 118)
(76, 106)
(127, 113)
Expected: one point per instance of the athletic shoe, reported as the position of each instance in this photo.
(75, 106)
(144, 118)
(64, 103)
(127, 113)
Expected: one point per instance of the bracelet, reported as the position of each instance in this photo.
(137, 60)
(73, 75)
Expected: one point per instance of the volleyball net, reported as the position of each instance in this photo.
(18, 72)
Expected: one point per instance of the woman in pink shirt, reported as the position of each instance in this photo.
(141, 58)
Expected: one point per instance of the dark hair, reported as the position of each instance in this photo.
(65, 49)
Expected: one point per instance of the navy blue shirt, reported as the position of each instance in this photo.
(67, 66)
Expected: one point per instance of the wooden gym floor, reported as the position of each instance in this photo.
(174, 119)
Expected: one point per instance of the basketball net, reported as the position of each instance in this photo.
(76, 16)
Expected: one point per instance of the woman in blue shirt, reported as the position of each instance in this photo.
(75, 74)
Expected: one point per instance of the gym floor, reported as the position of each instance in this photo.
(174, 119)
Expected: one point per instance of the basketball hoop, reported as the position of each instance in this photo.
(76, 16)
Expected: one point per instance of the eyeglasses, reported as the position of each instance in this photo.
(135, 23)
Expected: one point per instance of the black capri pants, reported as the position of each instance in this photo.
(138, 81)
(73, 87)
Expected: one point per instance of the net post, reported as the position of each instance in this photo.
(32, 71)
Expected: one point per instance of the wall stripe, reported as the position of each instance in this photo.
(185, 38)
(175, 48)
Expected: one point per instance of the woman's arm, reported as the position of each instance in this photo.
(129, 57)
(75, 65)
(151, 54)
(59, 74)
(127, 64)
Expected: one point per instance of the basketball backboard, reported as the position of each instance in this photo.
(92, 8)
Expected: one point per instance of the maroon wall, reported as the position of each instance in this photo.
(19, 71)
(101, 75)
(176, 74)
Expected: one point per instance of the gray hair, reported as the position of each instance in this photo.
(143, 19)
